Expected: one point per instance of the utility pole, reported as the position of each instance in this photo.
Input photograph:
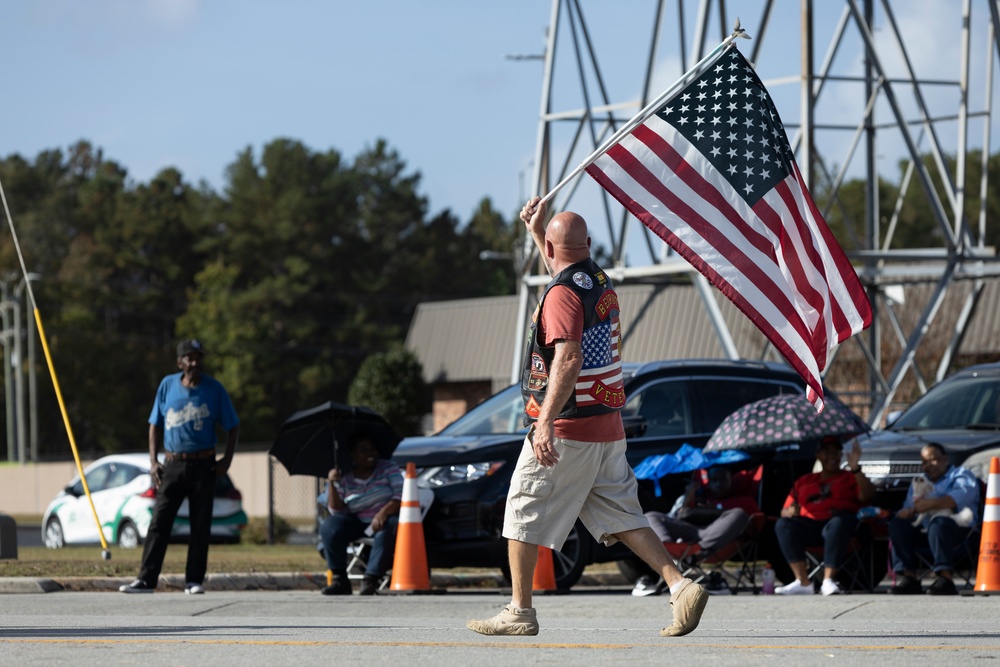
(19, 377)
(6, 335)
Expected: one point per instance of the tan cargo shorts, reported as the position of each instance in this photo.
(592, 481)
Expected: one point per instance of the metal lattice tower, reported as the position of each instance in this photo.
(870, 61)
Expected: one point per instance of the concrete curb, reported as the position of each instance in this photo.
(28, 585)
(263, 581)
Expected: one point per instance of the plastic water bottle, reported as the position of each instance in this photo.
(767, 580)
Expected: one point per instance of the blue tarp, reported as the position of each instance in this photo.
(685, 459)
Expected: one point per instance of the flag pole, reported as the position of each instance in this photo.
(649, 109)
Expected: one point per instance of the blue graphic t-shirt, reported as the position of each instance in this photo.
(188, 415)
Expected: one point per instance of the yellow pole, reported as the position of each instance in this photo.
(69, 431)
(105, 554)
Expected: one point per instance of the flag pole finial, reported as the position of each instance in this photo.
(740, 32)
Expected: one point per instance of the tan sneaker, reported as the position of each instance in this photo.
(510, 621)
(688, 603)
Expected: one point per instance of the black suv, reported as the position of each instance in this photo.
(961, 413)
(469, 464)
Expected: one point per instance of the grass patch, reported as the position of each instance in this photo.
(87, 562)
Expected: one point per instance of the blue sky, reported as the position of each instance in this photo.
(190, 83)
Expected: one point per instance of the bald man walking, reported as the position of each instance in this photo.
(573, 461)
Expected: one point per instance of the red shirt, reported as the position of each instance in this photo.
(562, 319)
(820, 498)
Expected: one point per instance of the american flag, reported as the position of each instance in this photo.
(713, 175)
(600, 379)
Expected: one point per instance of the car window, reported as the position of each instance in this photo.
(500, 414)
(97, 478)
(955, 404)
(665, 406)
(119, 475)
(717, 397)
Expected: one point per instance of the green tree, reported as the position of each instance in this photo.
(392, 384)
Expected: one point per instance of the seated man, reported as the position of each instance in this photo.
(822, 509)
(712, 516)
(955, 488)
(364, 501)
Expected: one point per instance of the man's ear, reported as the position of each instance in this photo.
(179, 364)
(550, 250)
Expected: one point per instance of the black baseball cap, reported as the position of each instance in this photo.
(186, 347)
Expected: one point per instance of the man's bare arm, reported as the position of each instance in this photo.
(533, 217)
(563, 374)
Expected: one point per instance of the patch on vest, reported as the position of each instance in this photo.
(613, 398)
(582, 280)
(533, 409)
(539, 375)
(607, 303)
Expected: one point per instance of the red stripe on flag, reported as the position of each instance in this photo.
(733, 254)
(745, 306)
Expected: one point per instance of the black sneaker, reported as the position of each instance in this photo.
(942, 586)
(369, 585)
(137, 586)
(906, 586)
(340, 586)
(717, 584)
(648, 585)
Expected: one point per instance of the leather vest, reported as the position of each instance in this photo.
(599, 388)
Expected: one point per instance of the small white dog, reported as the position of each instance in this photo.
(923, 488)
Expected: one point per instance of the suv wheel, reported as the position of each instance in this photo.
(574, 556)
(568, 563)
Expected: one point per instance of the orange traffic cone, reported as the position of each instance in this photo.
(988, 573)
(545, 572)
(409, 564)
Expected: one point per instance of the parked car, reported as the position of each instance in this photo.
(124, 495)
(469, 464)
(961, 413)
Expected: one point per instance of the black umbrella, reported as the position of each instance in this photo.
(310, 441)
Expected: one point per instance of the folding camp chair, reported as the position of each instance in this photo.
(735, 562)
(359, 550)
(856, 574)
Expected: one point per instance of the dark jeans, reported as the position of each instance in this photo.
(338, 531)
(194, 480)
(834, 535)
(943, 538)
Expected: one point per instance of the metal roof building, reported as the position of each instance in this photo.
(466, 346)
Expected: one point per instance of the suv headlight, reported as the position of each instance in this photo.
(461, 473)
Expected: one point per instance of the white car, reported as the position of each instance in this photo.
(124, 495)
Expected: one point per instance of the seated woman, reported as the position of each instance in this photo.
(364, 501)
(822, 509)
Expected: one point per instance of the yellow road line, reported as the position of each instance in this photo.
(513, 644)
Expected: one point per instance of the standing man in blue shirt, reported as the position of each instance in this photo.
(187, 408)
(955, 488)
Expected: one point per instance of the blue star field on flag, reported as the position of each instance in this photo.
(728, 116)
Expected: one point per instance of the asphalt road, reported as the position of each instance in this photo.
(595, 626)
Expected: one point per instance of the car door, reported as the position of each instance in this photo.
(113, 494)
(663, 407)
(76, 517)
